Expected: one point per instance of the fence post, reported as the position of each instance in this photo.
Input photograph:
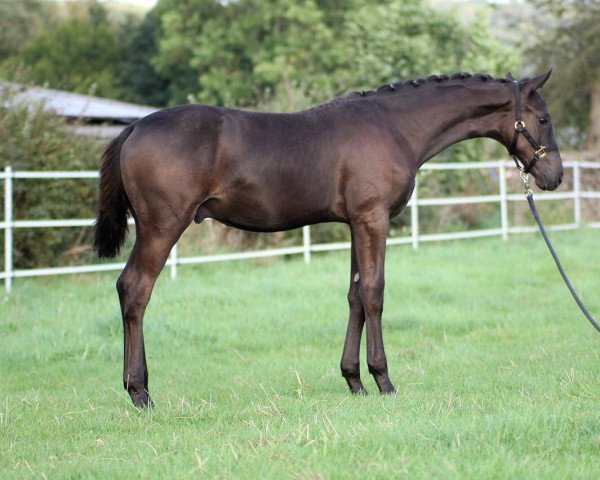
(306, 243)
(577, 193)
(414, 218)
(174, 262)
(503, 201)
(8, 233)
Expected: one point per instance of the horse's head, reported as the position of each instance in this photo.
(531, 140)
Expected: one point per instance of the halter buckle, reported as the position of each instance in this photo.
(519, 125)
(541, 152)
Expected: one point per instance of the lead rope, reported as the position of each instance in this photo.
(536, 216)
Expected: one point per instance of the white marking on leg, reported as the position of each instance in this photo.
(356, 277)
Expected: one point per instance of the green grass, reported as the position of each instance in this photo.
(497, 372)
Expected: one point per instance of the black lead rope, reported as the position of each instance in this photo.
(536, 215)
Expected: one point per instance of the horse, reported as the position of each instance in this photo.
(352, 160)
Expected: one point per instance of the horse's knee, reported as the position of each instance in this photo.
(354, 297)
(371, 287)
(372, 299)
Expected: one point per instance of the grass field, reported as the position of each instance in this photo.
(496, 370)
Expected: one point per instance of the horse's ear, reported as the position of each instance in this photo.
(538, 82)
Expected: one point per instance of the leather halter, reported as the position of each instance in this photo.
(540, 151)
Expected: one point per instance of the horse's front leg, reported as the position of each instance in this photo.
(350, 363)
(369, 232)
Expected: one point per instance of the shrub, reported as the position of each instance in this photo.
(33, 139)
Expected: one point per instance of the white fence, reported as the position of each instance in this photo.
(502, 198)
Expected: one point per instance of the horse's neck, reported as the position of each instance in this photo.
(441, 116)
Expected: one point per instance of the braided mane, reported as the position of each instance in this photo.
(394, 87)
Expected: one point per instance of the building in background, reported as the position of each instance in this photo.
(90, 116)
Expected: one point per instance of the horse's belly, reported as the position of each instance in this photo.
(262, 215)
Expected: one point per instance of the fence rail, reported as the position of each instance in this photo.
(9, 224)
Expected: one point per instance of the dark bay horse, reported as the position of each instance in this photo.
(352, 160)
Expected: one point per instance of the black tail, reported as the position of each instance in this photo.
(110, 228)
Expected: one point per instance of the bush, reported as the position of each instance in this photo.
(33, 139)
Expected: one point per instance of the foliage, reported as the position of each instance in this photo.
(496, 372)
(235, 53)
(20, 21)
(404, 39)
(181, 22)
(567, 36)
(230, 53)
(32, 139)
(81, 55)
(139, 80)
(247, 52)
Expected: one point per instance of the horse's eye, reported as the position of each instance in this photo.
(543, 120)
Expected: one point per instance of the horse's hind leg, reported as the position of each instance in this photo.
(350, 364)
(148, 257)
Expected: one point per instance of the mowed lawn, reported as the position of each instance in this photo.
(497, 372)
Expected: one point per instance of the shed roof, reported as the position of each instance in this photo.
(77, 105)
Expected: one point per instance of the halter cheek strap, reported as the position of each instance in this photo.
(540, 151)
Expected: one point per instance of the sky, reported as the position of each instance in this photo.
(145, 3)
(151, 3)
(148, 3)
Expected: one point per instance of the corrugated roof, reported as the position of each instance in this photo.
(100, 130)
(76, 105)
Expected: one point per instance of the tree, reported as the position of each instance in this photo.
(235, 52)
(567, 34)
(241, 53)
(403, 39)
(19, 22)
(181, 29)
(139, 80)
(81, 55)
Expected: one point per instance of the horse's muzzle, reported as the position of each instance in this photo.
(549, 182)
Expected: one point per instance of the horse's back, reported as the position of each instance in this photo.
(181, 133)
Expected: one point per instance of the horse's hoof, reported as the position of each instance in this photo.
(358, 389)
(386, 387)
(361, 392)
(141, 400)
(356, 386)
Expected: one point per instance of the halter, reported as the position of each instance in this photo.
(540, 151)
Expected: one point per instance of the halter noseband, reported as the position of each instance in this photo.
(540, 151)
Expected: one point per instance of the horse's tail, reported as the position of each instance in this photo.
(110, 228)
